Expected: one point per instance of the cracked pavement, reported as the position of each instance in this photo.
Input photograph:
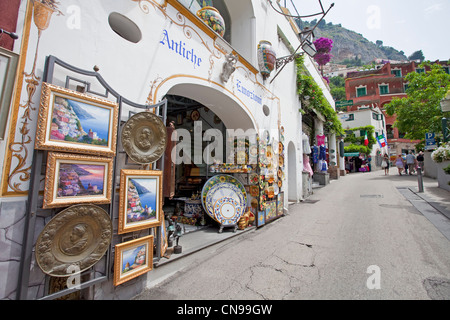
(321, 250)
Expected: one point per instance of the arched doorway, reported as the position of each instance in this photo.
(292, 173)
(233, 114)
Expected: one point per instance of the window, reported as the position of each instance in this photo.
(361, 91)
(405, 87)
(447, 69)
(384, 88)
(397, 72)
(420, 70)
(377, 116)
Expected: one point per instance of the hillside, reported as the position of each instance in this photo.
(350, 47)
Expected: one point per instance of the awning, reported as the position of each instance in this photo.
(351, 154)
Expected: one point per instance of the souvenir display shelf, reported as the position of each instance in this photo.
(90, 277)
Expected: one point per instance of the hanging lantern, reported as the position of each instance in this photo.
(212, 18)
(266, 58)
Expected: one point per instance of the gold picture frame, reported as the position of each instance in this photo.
(8, 67)
(71, 121)
(133, 259)
(140, 200)
(77, 179)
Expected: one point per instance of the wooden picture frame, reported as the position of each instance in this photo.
(8, 69)
(71, 121)
(133, 259)
(77, 179)
(140, 200)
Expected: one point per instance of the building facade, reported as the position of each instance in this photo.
(129, 57)
(378, 87)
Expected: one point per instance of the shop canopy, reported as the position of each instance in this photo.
(351, 154)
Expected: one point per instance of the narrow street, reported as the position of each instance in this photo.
(357, 238)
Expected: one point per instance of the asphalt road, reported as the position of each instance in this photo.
(361, 240)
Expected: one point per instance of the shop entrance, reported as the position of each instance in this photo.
(193, 111)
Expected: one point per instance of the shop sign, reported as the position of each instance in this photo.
(181, 48)
(248, 92)
(430, 142)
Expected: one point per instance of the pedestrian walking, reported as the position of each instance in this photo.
(400, 164)
(410, 162)
(385, 164)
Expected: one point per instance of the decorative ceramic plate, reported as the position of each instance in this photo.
(280, 173)
(195, 115)
(77, 236)
(225, 190)
(254, 178)
(254, 191)
(144, 137)
(227, 211)
(281, 161)
(253, 151)
(217, 180)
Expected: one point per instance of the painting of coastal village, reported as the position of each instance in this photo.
(79, 122)
(141, 200)
(134, 258)
(79, 180)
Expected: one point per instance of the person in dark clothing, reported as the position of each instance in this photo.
(358, 163)
(420, 160)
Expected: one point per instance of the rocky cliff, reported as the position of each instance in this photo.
(350, 47)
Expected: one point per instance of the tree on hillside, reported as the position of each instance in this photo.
(417, 55)
(420, 111)
(379, 43)
(337, 88)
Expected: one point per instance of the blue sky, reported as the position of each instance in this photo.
(407, 25)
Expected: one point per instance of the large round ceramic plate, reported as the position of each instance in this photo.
(227, 211)
(144, 137)
(223, 186)
(225, 190)
(220, 179)
(77, 236)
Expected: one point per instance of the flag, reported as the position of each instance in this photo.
(366, 140)
(381, 141)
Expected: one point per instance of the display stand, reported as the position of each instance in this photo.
(55, 68)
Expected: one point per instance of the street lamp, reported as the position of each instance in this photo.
(306, 38)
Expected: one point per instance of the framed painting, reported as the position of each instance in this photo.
(140, 201)
(8, 67)
(132, 259)
(271, 210)
(280, 204)
(74, 179)
(261, 218)
(71, 121)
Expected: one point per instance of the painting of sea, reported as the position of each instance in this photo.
(80, 180)
(142, 200)
(79, 122)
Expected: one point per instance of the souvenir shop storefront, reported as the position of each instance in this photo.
(224, 178)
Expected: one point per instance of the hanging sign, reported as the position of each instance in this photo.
(430, 142)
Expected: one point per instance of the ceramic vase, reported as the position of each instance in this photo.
(212, 18)
(266, 58)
